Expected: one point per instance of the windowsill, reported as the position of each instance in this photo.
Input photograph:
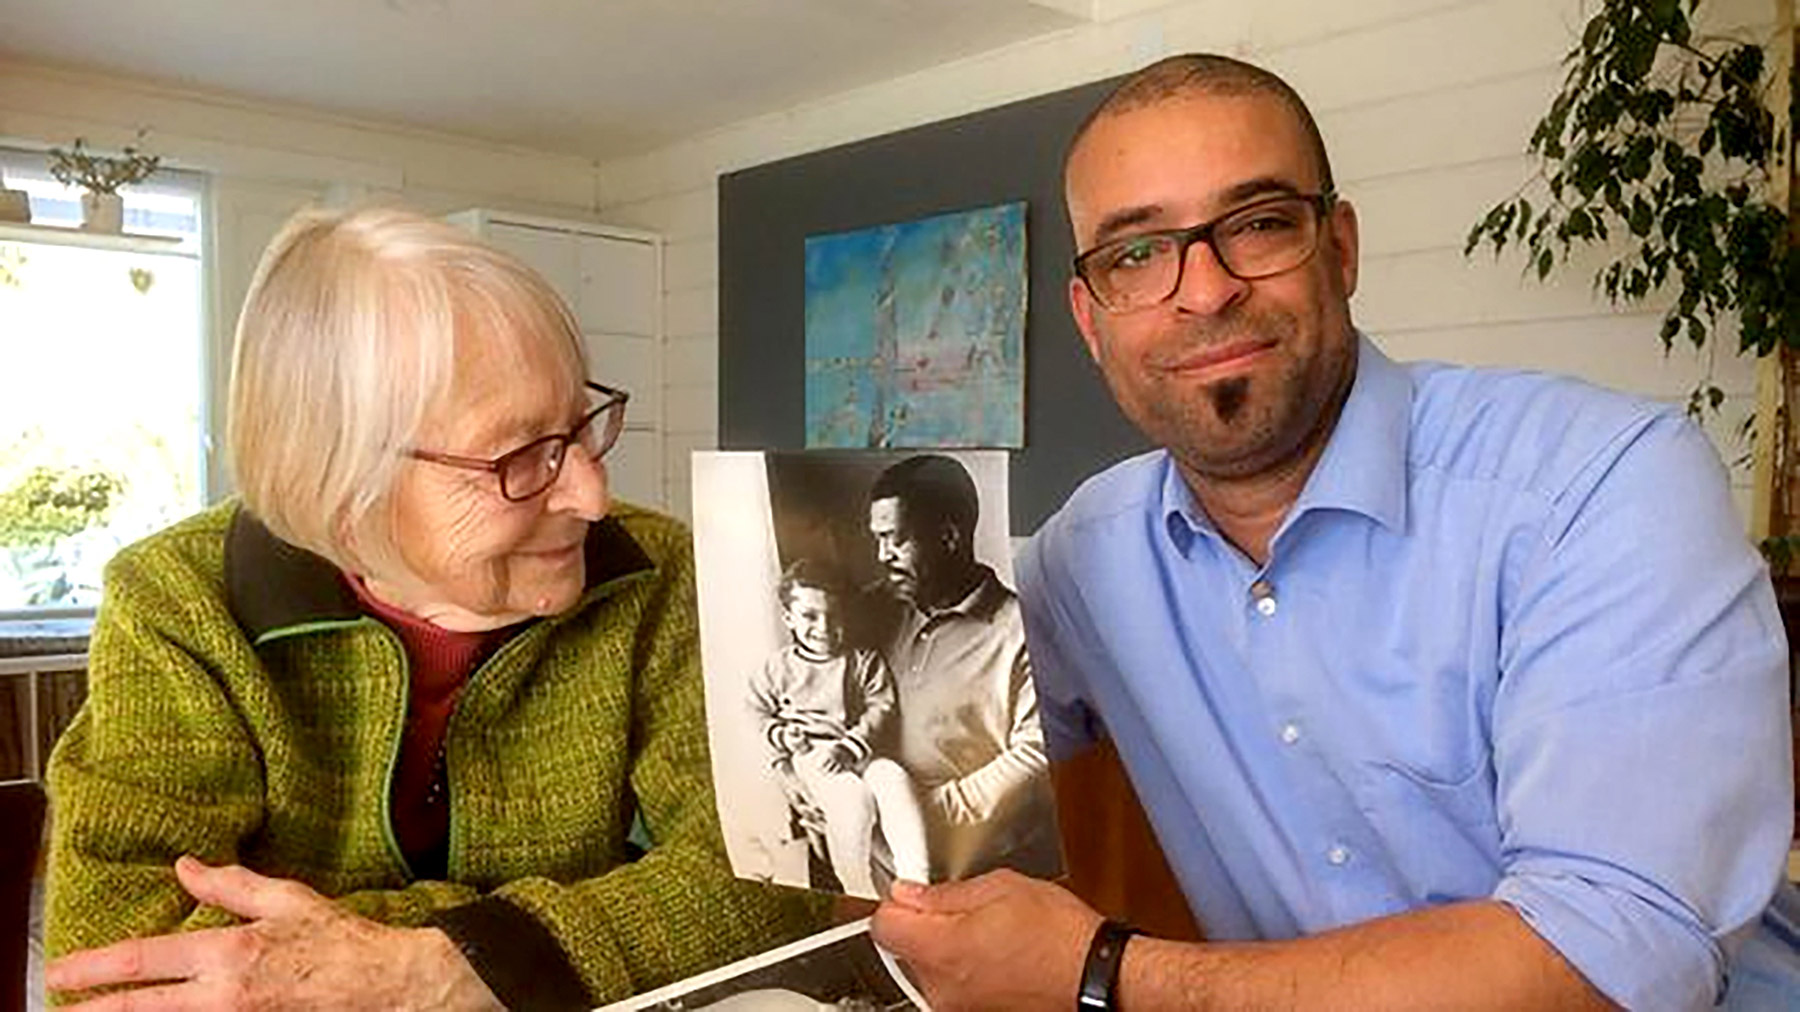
(62, 236)
(40, 637)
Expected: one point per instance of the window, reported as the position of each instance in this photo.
(101, 354)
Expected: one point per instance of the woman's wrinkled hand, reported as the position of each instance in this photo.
(297, 949)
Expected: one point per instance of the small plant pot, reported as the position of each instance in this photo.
(102, 212)
(15, 205)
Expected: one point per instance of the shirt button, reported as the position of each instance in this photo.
(1290, 733)
(1264, 594)
(1338, 854)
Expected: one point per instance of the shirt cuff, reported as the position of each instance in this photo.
(1640, 956)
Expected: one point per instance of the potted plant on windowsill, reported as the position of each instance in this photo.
(100, 176)
(15, 205)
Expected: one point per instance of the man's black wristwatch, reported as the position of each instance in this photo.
(1100, 975)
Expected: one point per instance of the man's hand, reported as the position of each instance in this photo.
(298, 950)
(999, 941)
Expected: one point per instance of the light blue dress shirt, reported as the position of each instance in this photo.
(1511, 642)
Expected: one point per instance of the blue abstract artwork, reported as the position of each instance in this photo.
(915, 333)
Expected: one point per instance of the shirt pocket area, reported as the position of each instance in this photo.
(1442, 839)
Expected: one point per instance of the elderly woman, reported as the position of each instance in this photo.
(418, 722)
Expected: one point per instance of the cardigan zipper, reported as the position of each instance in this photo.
(393, 761)
(545, 628)
(453, 850)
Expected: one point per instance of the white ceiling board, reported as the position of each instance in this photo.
(596, 78)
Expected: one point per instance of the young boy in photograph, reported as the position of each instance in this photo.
(823, 707)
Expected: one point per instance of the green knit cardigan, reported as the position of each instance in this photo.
(241, 708)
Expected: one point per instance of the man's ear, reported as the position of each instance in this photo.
(1345, 238)
(952, 539)
(1082, 306)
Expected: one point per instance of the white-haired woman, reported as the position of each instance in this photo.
(417, 722)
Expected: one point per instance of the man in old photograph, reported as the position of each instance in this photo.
(954, 640)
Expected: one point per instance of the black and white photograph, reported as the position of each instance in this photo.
(868, 691)
(839, 970)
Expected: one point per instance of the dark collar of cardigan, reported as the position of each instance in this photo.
(272, 586)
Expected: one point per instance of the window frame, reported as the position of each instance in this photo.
(32, 167)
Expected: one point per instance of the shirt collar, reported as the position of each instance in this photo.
(981, 602)
(1182, 516)
(1363, 468)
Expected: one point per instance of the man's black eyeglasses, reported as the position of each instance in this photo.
(1258, 240)
(534, 467)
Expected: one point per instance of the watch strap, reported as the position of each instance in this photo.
(1100, 974)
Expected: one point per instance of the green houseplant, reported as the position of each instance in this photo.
(1662, 144)
(100, 177)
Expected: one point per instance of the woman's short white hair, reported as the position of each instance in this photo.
(348, 338)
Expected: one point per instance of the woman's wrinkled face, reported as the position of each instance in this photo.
(476, 560)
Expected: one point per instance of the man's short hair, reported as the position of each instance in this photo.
(819, 574)
(1204, 74)
(348, 339)
(936, 490)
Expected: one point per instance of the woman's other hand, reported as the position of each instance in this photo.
(297, 949)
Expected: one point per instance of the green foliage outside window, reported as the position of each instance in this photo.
(49, 504)
(39, 513)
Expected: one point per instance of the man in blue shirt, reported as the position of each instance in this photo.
(1441, 687)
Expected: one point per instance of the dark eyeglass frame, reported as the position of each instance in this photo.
(614, 403)
(1185, 238)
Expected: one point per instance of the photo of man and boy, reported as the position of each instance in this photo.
(868, 689)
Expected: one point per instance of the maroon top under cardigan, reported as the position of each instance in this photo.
(440, 661)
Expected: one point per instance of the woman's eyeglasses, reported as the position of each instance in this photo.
(534, 467)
